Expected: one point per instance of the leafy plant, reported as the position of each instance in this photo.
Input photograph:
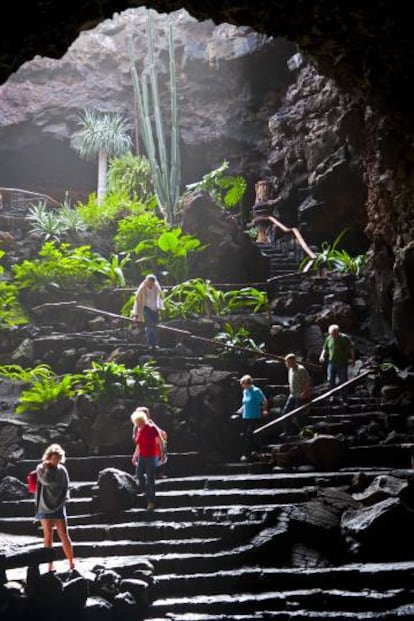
(333, 259)
(11, 311)
(54, 224)
(46, 222)
(226, 190)
(194, 297)
(16, 373)
(102, 215)
(171, 252)
(247, 298)
(110, 380)
(237, 337)
(130, 175)
(199, 297)
(46, 392)
(65, 267)
(138, 228)
(345, 263)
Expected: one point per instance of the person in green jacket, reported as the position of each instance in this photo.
(338, 351)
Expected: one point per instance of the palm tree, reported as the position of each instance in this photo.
(103, 135)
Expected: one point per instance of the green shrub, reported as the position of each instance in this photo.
(66, 267)
(138, 228)
(11, 311)
(130, 175)
(199, 297)
(110, 380)
(45, 393)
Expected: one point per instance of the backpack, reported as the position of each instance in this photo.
(32, 481)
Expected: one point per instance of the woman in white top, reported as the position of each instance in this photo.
(148, 302)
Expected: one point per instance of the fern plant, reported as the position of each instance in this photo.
(45, 393)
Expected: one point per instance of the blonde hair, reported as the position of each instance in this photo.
(54, 449)
(141, 414)
(246, 379)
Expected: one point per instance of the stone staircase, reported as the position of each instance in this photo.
(208, 540)
(219, 540)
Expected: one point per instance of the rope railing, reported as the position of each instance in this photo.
(306, 405)
(190, 335)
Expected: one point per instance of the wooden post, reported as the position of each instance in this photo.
(263, 191)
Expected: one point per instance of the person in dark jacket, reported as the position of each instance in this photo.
(52, 494)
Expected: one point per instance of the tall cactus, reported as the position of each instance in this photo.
(166, 171)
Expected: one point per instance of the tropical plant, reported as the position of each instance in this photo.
(55, 223)
(166, 170)
(46, 222)
(226, 190)
(199, 297)
(111, 380)
(171, 252)
(17, 373)
(104, 135)
(65, 267)
(103, 215)
(11, 311)
(45, 393)
(232, 337)
(333, 259)
(113, 269)
(137, 228)
(193, 297)
(247, 298)
(131, 175)
(71, 218)
(345, 263)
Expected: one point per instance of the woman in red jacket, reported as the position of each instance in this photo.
(148, 450)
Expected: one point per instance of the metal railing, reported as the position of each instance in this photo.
(308, 404)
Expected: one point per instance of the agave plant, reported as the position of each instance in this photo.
(46, 222)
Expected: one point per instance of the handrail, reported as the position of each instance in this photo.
(294, 231)
(187, 334)
(325, 395)
(52, 200)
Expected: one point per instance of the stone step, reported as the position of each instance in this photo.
(89, 467)
(312, 600)
(405, 611)
(148, 528)
(354, 576)
(175, 498)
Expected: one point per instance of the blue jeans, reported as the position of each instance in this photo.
(291, 404)
(146, 468)
(335, 370)
(150, 321)
(292, 424)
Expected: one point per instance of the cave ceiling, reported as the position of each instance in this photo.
(365, 46)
